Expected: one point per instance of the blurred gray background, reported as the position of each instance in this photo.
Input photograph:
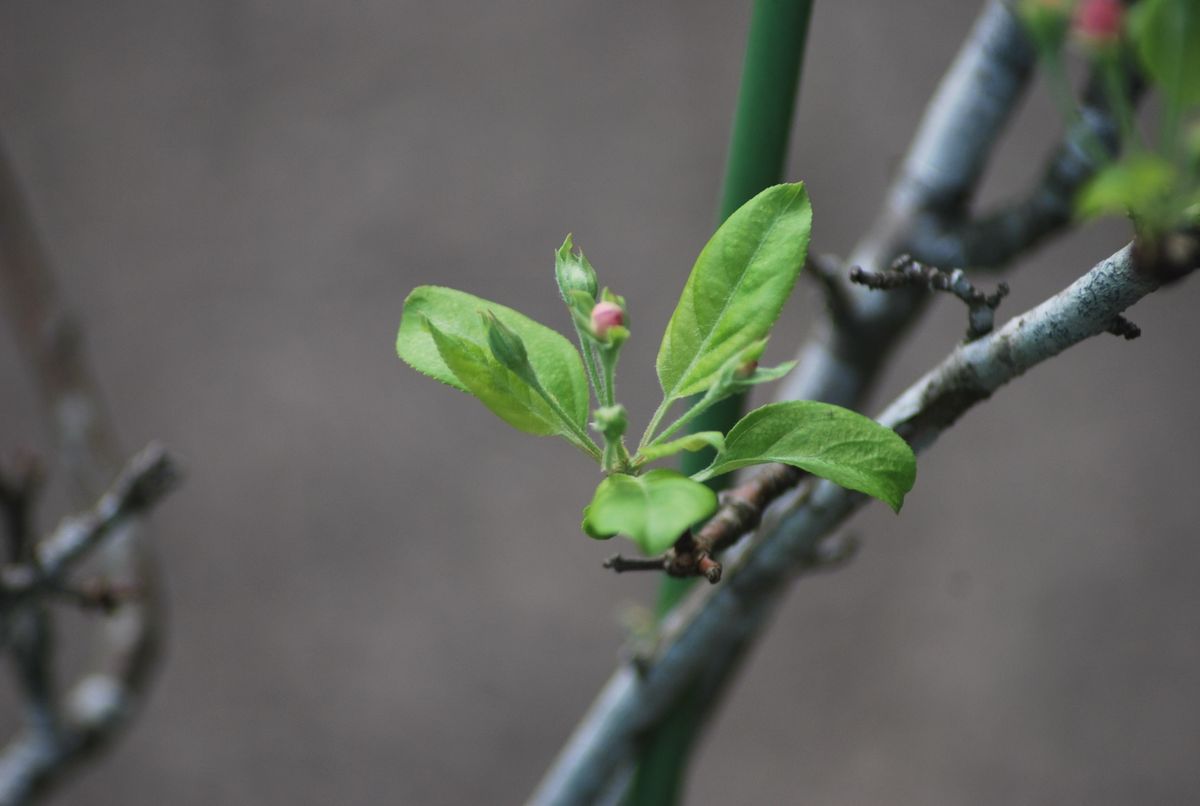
(379, 592)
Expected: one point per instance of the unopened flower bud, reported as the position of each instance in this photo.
(578, 277)
(1098, 22)
(574, 273)
(605, 316)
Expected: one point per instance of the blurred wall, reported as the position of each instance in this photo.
(379, 593)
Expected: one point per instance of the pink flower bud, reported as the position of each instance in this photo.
(605, 316)
(745, 370)
(1099, 21)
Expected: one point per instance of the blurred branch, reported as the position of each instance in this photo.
(995, 238)
(61, 732)
(149, 476)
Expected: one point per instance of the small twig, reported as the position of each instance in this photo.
(149, 476)
(1124, 328)
(97, 594)
(906, 272)
(685, 559)
(621, 564)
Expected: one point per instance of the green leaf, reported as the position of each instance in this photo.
(1139, 184)
(653, 510)
(456, 316)
(1167, 36)
(692, 442)
(500, 389)
(736, 289)
(827, 441)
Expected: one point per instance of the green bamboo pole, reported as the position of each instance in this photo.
(757, 159)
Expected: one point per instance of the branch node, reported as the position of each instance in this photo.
(710, 569)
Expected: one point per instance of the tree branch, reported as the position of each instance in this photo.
(107, 693)
(150, 475)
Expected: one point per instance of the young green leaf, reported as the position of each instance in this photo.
(692, 442)
(1138, 184)
(456, 316)
(652, 510)
(1167, 36)
(827, 441)
(736, 289)
(500, 389)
